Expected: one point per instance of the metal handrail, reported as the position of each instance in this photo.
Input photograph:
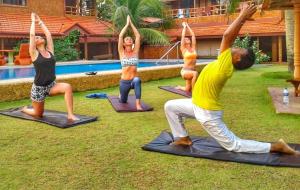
(167, 53)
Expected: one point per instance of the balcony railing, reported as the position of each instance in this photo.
(70, 10)
(200, 11)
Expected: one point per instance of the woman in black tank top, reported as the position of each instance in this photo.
(44, 80)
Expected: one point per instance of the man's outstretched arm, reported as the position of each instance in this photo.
(232, 31)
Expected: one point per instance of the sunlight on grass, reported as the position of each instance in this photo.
(107, 154)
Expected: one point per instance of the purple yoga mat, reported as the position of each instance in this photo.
(176, 91)
(127, 107)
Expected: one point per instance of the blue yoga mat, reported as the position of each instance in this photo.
(97, 96)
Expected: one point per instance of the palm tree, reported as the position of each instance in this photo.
(147, 15)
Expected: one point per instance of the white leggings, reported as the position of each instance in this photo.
(212, 122)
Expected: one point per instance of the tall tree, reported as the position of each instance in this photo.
(147, 15)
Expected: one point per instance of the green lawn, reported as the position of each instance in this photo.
(106, 154)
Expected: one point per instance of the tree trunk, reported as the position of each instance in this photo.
(289, 26)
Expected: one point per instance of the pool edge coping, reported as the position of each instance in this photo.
(76, 75)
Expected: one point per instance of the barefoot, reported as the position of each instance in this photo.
(185, 141)
(139, 108)
(180, 88)
(138, 105)
(24, 109)
(73, 118)
(31, 112)
(183, 89)
(281, 146)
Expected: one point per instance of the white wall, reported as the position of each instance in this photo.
(208, 47)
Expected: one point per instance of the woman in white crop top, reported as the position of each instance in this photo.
(129, 61)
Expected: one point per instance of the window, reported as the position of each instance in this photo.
(14, 2)
(80, 7)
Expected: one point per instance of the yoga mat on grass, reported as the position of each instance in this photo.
(176, 91)
(129, 106)
(54, 118)
(207, 147)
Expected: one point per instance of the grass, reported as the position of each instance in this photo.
(106, 154)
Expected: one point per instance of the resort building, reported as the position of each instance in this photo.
(61, 17)
(98, 41)
(208, 20)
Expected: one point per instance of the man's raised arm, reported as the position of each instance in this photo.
(232, 31)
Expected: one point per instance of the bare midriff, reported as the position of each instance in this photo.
(129, 72)
(190, 59)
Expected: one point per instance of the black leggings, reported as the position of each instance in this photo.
(126, 85)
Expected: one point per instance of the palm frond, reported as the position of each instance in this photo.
(133, 5)
(232, 5)
(154, 9)
(149, 8)
(152, 36)
(138, 10)
(120, 2)
(120, 16)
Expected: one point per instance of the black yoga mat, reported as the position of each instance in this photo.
(207, 147)
(176, 91)
(129, 106)
(54, 118)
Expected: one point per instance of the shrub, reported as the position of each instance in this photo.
(64, 48)
(248, 44)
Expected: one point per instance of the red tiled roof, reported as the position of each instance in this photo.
(18, 25)
(258, 27)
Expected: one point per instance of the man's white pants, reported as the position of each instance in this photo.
(212, 122)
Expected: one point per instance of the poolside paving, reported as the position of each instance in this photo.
(294, 102)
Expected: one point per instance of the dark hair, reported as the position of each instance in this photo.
(43, 37)
(45, 40)
(129, 37)
(246, 61)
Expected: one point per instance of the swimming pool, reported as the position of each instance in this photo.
(29, 72)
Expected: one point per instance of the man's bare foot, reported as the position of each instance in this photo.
(186, 141)
(281, 146)
(72, 117)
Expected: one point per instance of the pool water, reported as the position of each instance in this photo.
(29, 72)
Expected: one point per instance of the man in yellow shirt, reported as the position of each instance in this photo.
(205, 105)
